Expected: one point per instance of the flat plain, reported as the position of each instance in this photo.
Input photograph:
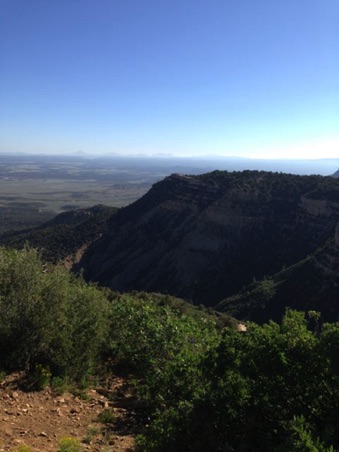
(35, 188)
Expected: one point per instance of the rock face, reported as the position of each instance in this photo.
(204, 237)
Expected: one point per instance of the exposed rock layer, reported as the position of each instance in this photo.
(205, 237)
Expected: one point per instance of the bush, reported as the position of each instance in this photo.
(273, 388)
(107, 416)
(40, 377)
(68, 444)
(49, 318)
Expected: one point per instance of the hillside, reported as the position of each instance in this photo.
(311, 284)
(205, 237)
(65, 235)
(83, 368)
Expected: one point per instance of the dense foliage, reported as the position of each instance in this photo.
(49, 317)
(63, 235)
(16, 215)
(272, 388)
(276, 387)
(311, 284)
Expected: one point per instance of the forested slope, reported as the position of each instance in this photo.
(311, 284)
(205, 237)
(64, 235)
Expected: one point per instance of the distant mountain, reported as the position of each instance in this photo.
(65, 235)
(336, 174)
(205, 237)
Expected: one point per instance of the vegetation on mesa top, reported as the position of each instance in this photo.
(275, 185)
(273, 388)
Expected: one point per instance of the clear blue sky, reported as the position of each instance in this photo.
(256, 78)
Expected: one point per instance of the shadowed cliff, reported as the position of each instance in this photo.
(205, 237)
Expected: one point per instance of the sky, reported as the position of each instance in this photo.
(252, 78)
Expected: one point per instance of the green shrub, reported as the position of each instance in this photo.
(50, 318)
(92, 432)
(274, 388)
(40, 377)
(107, 416)
(22, 448)
(68, 444)
(61, 385)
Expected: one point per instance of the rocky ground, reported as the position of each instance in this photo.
(100, 419)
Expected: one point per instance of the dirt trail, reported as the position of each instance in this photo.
(40, 419)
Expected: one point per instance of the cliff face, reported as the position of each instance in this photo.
(205, 237)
